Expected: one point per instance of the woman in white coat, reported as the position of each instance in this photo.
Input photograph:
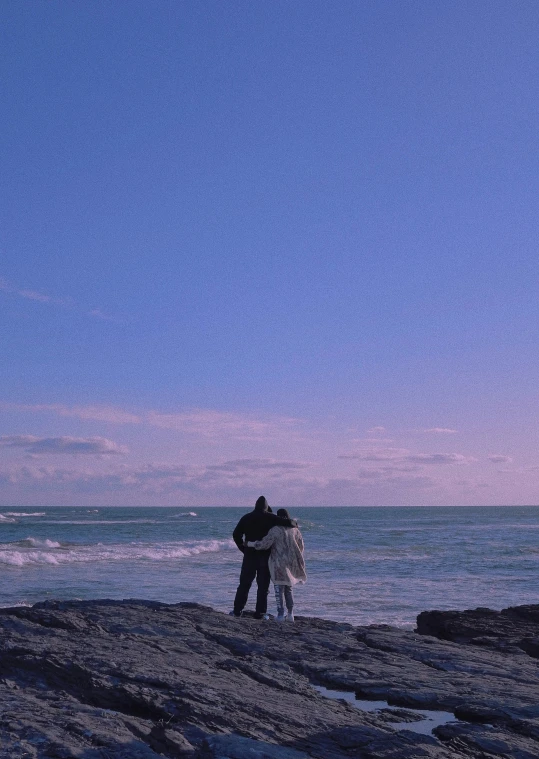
(286, 563)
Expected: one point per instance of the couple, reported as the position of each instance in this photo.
(272, 548)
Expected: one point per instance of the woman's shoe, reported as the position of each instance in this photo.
(290, 616)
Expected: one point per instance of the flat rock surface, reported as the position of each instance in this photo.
(111, 679)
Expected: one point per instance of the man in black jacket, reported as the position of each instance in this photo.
(254, 526)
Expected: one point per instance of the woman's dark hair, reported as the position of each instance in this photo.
(283, 513)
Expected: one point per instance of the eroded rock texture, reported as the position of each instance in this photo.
(136, 679)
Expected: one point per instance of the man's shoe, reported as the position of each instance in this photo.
(234, 613)
(290, 616)
(265, 617)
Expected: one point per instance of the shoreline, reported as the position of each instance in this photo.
(107, 678)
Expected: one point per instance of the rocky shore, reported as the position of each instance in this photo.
(141, 680)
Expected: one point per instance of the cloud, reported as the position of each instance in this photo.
(67, 302)
(213, 424)
(154, 479)
(206, 423)
(402, 456)
(376, 454)
(31, 295)
(232, 483)
(107, 414)
(438, 458)
(97, 313)
(377, 430)
(498, 459)
(257, 465)
(62, 445)
(7, 287)
(440, 431)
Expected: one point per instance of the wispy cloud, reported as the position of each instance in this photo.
(206, 423)
(257, 465)
(213, 424)
(499, 459)
(376, 454)
(438, 458)
(97, 313)
(440, 431)
(7, 287)
(403, 455)
(108, 414)
(214, 480)
(51, 300)
(62, 445)
(228, 483)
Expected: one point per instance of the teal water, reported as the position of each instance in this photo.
(364, 565)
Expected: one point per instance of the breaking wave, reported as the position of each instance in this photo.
(24, 552)
(98, 521)
(25, 514)
(36, 543)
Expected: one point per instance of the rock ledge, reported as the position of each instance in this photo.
(139, 680)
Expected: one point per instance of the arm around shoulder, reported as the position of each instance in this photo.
(265, 543)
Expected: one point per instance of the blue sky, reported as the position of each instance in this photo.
(278, 247)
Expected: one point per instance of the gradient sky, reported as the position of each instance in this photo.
(272, 247)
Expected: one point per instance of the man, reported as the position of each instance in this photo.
(254, 526)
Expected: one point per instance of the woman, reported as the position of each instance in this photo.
(286, 563)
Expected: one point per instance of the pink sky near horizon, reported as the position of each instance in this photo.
(101, 456)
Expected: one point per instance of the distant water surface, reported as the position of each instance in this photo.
(365, 565)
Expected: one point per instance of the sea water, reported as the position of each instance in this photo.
(364, 565)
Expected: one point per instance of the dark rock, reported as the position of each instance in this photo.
(127, 679)
(515, 627)
(236, 747)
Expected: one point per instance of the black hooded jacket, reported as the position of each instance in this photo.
(255, 525)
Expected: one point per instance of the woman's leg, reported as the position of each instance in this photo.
(289, 598)
(279, 599)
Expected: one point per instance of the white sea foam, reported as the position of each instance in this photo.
(106, 553)
(99, 521)
(37, 543)
(22, 558)
(186, 514)
(25, 514)
(4, 518)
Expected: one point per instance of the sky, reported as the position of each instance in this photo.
(279, 248)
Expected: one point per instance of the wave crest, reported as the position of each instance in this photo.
(25, 514)
(49, 553)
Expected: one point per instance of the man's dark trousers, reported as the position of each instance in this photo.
(255, 564)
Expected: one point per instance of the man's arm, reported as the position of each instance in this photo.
(264, 544)
(237, 535)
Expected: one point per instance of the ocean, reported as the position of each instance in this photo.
(364, 565)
